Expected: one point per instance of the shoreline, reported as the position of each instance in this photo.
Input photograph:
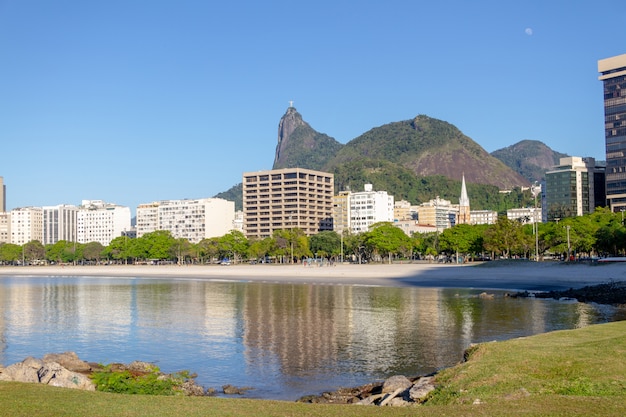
(497, 275)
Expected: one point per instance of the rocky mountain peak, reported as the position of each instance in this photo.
(287, 125)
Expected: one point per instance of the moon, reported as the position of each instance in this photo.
(528, 31)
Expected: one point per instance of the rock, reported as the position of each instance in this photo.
(232, 390)
(392, 396)
(141, 367)
(421, 388)
(398, 402)
(70, 361)
(56, 375)
(19, 372)
(485, 296)
(191, 389)
(396, 382)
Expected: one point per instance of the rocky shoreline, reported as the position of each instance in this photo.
(610, 293)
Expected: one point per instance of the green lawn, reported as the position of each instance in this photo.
(566, 373)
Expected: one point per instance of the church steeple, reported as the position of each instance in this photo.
(464, 205)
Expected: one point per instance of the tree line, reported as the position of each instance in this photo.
(601, 233)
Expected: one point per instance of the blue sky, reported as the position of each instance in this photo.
(138, 101)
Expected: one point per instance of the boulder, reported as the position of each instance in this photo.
(56, 375)
(396, 382)
(19, 372)
(68, 360)
(421, 388)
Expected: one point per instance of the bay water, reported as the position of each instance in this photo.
(282, 340)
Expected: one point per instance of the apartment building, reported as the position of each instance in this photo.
(98, 221)
(341, 212)
(193, 220)
(26, 225)
(368, 207)
(59, 223)
(287, 198)
(439, 213)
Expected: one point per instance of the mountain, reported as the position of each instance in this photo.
(428, 147)
(414, 160)
(299, 145)
(530, 158)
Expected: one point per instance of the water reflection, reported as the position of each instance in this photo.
(284, 340)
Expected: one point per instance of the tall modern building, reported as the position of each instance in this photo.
(59, 223)
(570, 187)
(193, 220)
(613, 77)
(287, 198)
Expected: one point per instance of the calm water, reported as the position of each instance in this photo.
(284, 340)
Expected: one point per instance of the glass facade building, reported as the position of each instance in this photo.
(613, 77)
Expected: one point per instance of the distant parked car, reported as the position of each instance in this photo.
(225, 261)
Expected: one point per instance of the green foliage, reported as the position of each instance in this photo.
(234, 193)
(386, 239)
(530, 158)
(10, 252)
(125, 382)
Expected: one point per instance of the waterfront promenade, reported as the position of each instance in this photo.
(506, 275)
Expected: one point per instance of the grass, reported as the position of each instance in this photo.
(566, 373)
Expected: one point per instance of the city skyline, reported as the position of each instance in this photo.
(147, 101)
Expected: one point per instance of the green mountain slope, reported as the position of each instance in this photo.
(530, 158)
(429, 147)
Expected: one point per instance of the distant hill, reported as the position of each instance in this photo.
(234, 193)
(429, 147)
(530, 158)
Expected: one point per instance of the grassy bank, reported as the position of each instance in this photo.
(569, 373)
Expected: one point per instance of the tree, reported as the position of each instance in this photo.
(461, 238)
(10, 253)
(34, 250)
(326, 243)
(208, 248)
(181, 248)
(92, 251)
(234, 244)
(503, 236)
(385, 238)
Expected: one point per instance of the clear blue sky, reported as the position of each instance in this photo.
(137, 101)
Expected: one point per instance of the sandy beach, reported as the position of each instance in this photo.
(509, 275)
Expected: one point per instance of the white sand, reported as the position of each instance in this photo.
(522, 275)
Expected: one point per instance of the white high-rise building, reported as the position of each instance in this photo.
(26, 225)
(101, 222)
(193, 220)
(369, 207)
(59, 223)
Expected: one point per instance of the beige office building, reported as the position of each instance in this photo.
(287, 198)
